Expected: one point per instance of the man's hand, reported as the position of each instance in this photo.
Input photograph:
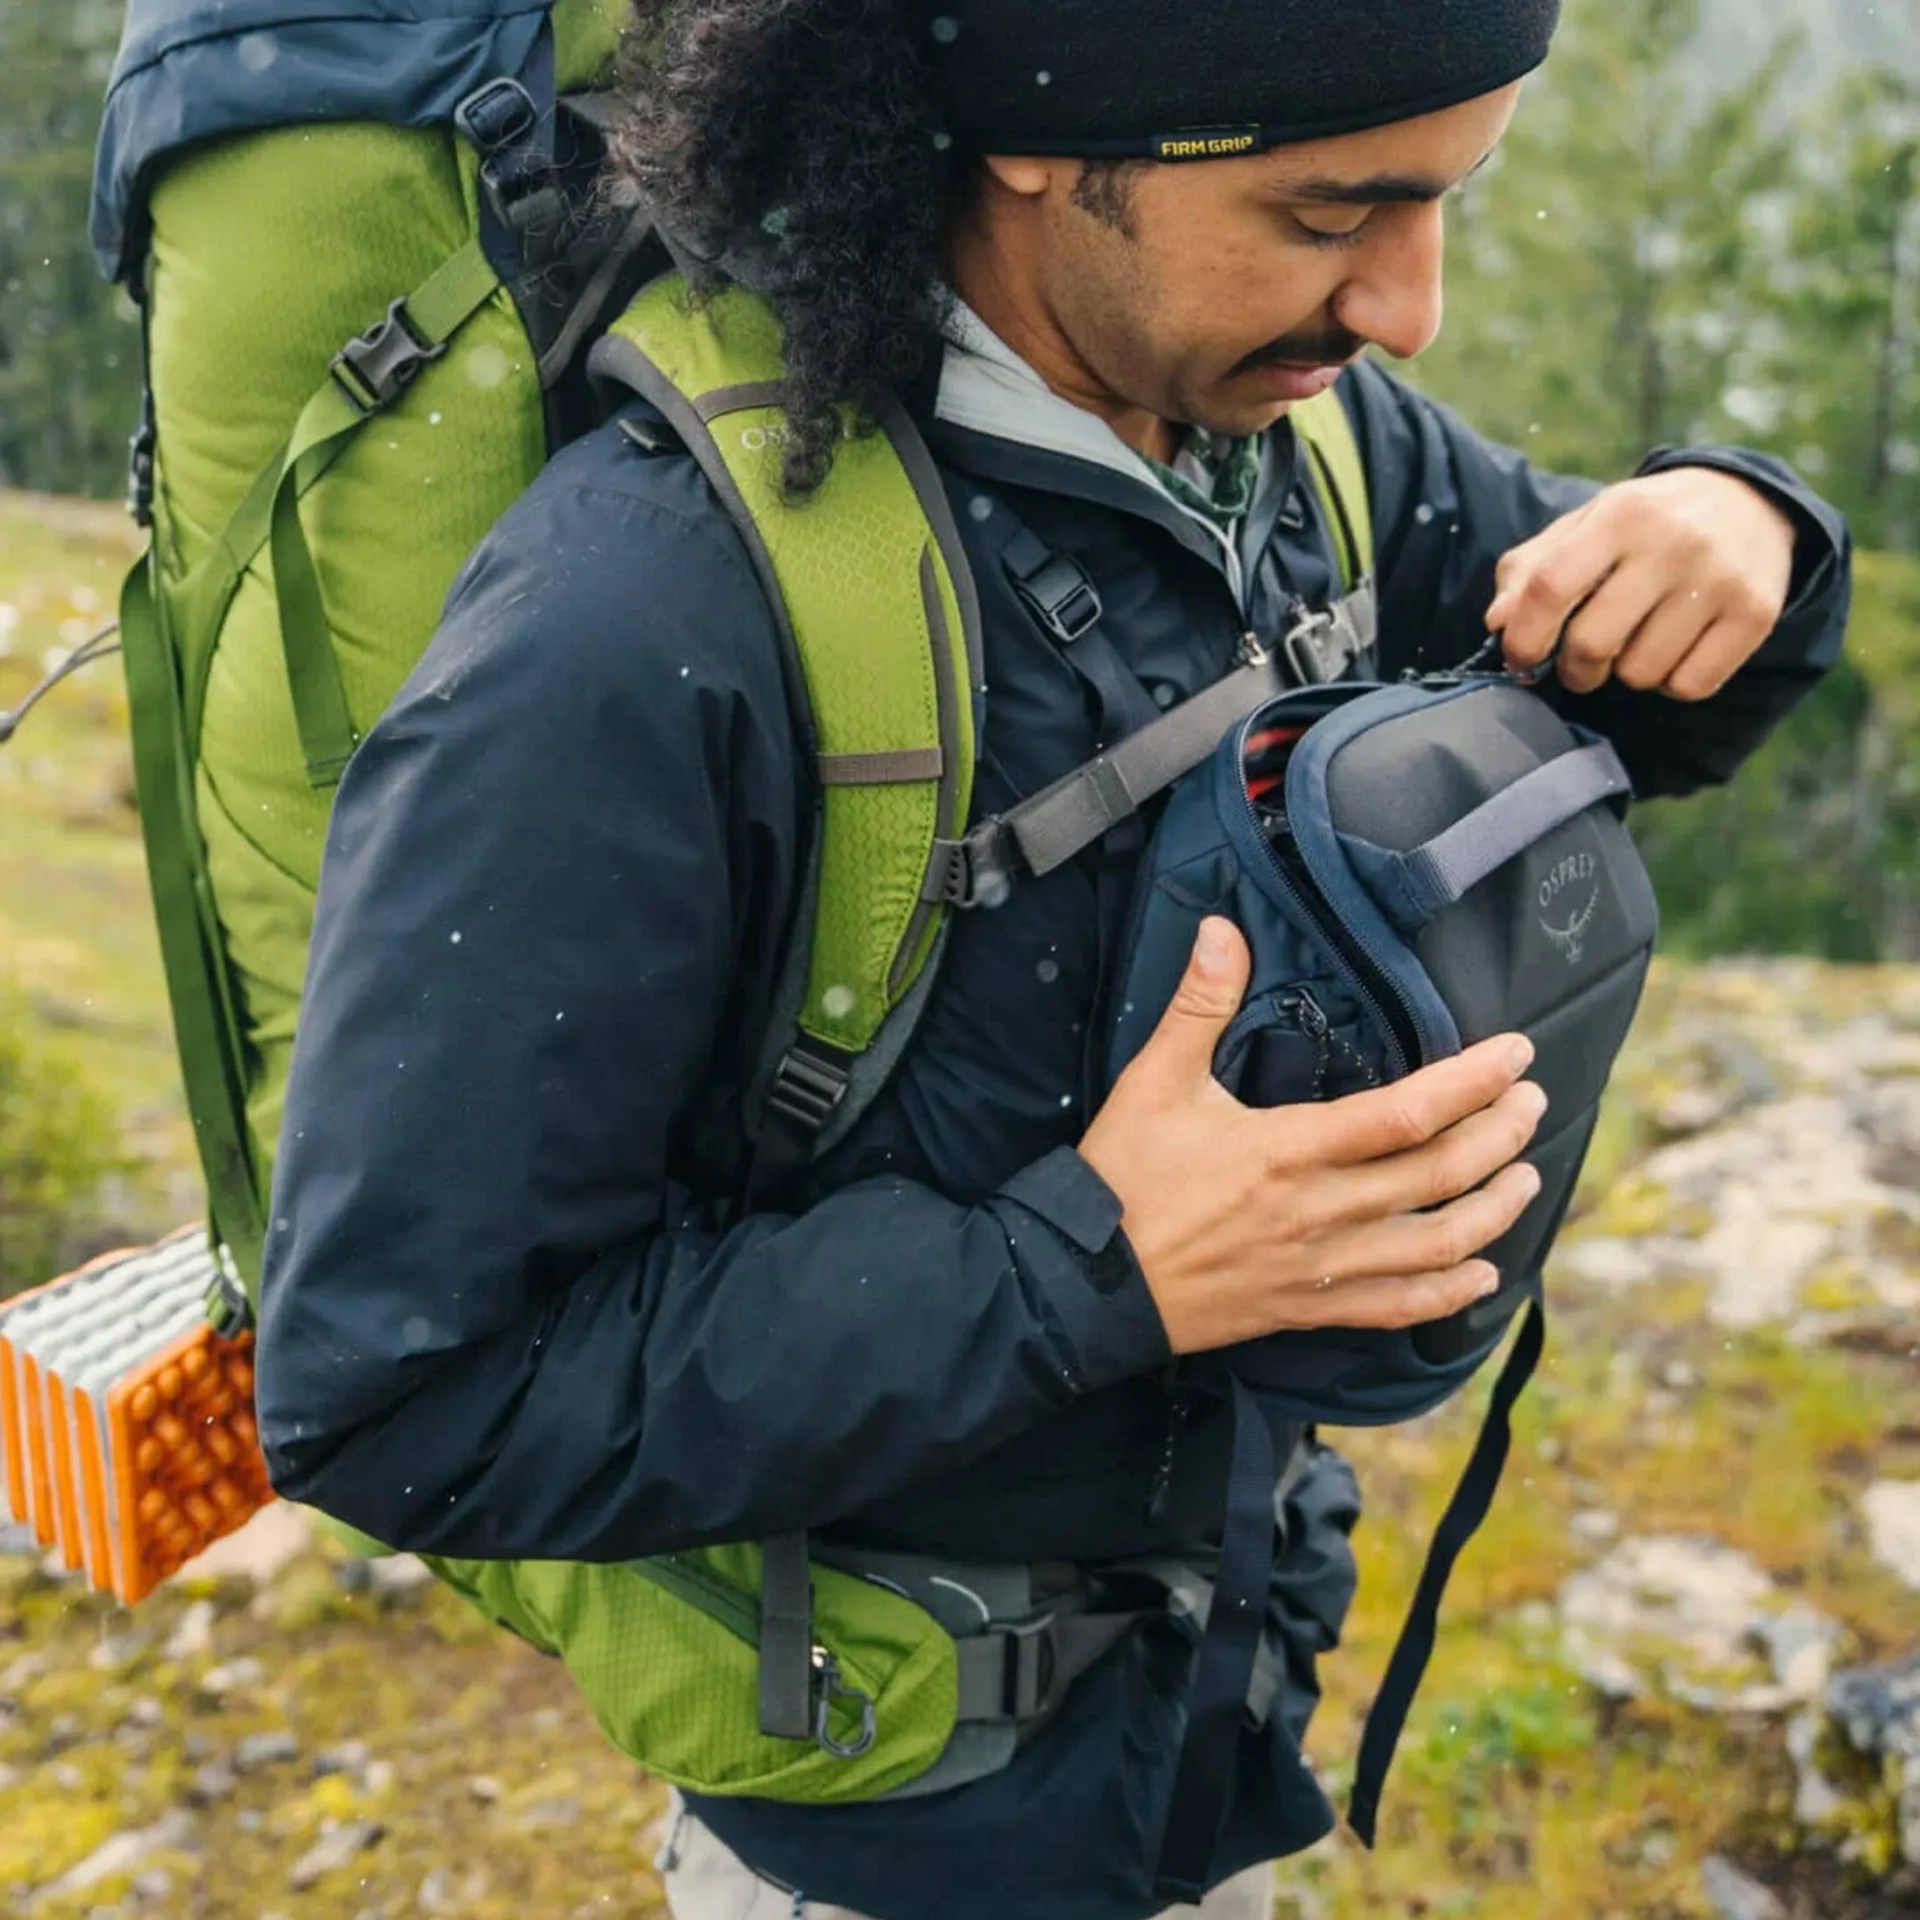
(1669, 582)
(1246, 1221)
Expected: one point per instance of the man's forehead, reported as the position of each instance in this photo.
(1410, 160)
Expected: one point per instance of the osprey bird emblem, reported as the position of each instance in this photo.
(1568, 938)
(1575, 870)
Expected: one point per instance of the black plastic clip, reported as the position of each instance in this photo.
(1060, 596)
(375, 366)
(1027, 1678)
(974, 872)
(228, 1310)
(806, 1090)
(497, 115)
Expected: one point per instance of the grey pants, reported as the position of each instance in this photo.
(706, 1880)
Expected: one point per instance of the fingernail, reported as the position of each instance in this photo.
(1491, 1284)
(1537, 1097)
(1212, 949)
(1533, 1178)
(1520, 1055)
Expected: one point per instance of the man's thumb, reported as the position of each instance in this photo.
(1209, 995)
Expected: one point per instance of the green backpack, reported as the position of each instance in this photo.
(402, 383)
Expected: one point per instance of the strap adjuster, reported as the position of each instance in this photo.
(376, 366)
(1061, 597)
(497, 114)
(1027, 1678)
(976, 871)
(805, 1091)
(228, 1310)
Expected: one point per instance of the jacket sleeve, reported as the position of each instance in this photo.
(1448, 504)
(493, 1322)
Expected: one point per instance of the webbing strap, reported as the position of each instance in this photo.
(1017, 1671)
(786, 1638)
(366, 376)
(1223, 1670)
(1451, 864)
(206, 1030)
(1465, 1511)
(1048, 829)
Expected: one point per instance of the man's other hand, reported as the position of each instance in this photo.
(1670, 582)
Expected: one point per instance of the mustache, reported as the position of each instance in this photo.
(1305, 350)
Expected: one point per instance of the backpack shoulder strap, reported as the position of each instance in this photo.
(1340, 478)
(881, 626)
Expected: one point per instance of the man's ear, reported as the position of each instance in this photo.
(1028, 175)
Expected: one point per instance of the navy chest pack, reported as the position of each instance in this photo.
(1417, 867)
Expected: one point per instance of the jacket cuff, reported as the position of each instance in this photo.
(1820, 531)
(1064, 1232)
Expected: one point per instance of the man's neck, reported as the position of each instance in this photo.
(1018, 316)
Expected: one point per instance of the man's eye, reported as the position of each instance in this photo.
(1331, 236)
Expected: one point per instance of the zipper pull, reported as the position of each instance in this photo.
(1313, 1016)
(1250, 653)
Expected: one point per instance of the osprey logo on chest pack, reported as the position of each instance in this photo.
(1568, 876)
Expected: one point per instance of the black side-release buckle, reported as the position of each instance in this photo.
(806, 1090)
(497, 114)
(384, 361)
(1061, 597)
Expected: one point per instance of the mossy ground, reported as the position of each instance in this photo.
(1519, 1793)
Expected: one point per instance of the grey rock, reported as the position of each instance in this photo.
(122, 1854)
(348, 1757)
(335, 1849)
(249, 1820)
(484, 1788)
(192, 1635)
(146, 1712)
(1816, 1801)
(210, 1785)
(9, 1776)
(236, 1676)
(1893, 1527)
(1878, 1710)
(1735, 1895)
(436, 1892)
(152, 1887)
(16, 1542)
(395, 1575)
(376, 1777)
(562, 1810)
(196, 1745)
(115, 1650)
(259, 1751)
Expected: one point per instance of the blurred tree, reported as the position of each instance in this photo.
(69, 345)
(1844, 371)
(1606, 270)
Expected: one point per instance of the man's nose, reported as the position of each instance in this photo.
(1394, 296)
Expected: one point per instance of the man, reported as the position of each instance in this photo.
(1099, 251)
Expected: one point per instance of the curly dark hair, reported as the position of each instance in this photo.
(797, 144)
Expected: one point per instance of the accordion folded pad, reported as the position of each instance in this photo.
(127, 1432)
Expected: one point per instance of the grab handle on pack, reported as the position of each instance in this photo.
(1415, 885)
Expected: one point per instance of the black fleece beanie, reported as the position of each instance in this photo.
(1201, 79)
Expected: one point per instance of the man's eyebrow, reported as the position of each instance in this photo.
(1380, 189)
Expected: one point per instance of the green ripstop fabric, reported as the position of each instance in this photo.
(665, 1652)
(875, 618)
(443, 462)
(586, 35)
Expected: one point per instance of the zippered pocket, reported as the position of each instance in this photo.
(1283, 1049)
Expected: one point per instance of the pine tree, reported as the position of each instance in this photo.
(69, 346)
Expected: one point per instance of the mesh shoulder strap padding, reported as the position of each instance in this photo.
(1340, 476)
(866, 578)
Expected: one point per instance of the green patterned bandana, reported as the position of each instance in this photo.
(1212, 474)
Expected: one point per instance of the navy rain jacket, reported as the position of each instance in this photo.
(503, 1312)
